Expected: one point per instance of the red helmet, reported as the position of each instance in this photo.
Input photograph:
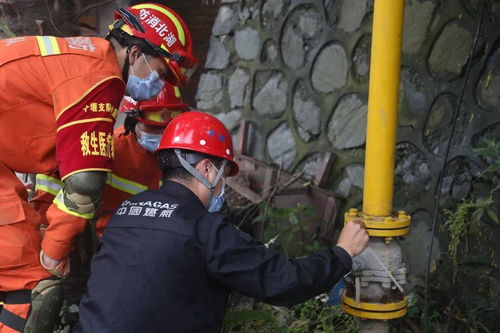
(165, 32)
(200, 132)
(157, 111)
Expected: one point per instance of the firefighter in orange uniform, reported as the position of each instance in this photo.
(58, 101)
(135, 168)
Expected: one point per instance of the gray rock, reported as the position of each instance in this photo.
(209, 94)
(489, 86)
(343, 188)
(301, 34)
(270, 51)
(271, 99)
(308, 23)
(451, 51)
(356, 174)
(230, 119)
(307, 114)
(311, 165)
(418, 16)
(247, 43)
(351, 15)
(238, 82)
(272, 8)
(361, 56)
(411, 93)
(225, 22)
(460, 191)
(293, 49)
(438, 124)
(228, 1)
(218, 55)
(73, 308)
(412, 176)
(347, 128)
(244, 15)
(330, 69)
(418, 242)
(281, 146)
(304, 135)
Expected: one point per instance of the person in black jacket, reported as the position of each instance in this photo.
(168, 259)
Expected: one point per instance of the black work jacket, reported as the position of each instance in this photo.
(167, 265)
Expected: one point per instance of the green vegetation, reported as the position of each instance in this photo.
(472, 211)
(286, 229)
(311, 316)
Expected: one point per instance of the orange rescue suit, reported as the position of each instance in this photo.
(135, 170)
(58, 103)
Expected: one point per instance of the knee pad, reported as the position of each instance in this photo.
(46, 303)
(83, 191)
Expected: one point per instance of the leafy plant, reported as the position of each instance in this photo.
(471, 211)
(311, 316)
(286, 229)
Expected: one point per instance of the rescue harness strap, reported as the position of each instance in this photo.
(8, 318)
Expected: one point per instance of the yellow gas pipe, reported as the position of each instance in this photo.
(380, 147)
(383, 107)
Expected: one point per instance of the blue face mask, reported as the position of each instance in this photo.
(149, 141)
(146, 88)
(216, 203)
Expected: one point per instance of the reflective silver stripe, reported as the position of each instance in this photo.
(48, 45)
(125, 185)
(48, 184)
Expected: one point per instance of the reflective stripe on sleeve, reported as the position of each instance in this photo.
(48, 184)
(47, 45)
(125, 185)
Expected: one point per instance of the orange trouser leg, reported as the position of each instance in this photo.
(19, 310)
(19, 236)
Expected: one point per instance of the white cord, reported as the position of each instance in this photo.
(385, 268)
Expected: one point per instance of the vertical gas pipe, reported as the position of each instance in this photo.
(371, 295)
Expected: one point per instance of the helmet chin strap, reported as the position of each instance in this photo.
(198, 176)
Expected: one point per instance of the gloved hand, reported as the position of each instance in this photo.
(364, 260)
(59, 268)
(42, 228)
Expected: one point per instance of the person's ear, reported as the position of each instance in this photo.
(133, 54)
(203, 167)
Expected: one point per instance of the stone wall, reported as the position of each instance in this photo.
(298, 70)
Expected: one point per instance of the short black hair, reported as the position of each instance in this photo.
(126, 40)
(173, 170)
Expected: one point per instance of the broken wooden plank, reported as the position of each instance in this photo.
(241, 145)
(324, 170)
(243, 190)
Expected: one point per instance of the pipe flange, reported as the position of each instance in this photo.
(377, 311)
(382, 226)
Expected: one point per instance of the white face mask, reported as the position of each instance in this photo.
(149, 141)
(216, 203)
(142, 89)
